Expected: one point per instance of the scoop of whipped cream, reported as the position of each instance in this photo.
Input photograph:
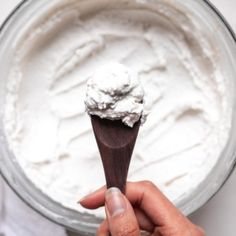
(114, 92)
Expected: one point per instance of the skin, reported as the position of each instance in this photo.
(144, 208)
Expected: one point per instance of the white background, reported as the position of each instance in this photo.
(218, 217)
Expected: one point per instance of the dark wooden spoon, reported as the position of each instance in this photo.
(115, 142)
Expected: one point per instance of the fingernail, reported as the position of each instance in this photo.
(115, 202)
(84, 198)
(90, 195)
(81, 200)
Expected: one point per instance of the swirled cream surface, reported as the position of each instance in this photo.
(177, 62)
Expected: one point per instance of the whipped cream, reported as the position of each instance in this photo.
(175, 56)
(114, 92)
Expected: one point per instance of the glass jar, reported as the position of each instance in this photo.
(85, 223)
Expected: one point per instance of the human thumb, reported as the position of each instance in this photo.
(120, 214)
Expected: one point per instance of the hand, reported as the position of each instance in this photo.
(143, 208)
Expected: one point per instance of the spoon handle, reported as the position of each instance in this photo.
(115, 143)
(116, 164)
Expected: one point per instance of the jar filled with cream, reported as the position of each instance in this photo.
(183, 53)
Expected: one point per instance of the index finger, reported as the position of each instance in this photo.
(144, 195)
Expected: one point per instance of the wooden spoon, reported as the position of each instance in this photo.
(115, 142)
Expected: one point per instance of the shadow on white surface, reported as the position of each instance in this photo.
(218, 216)
(17, 219)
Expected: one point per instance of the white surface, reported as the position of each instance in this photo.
(17, 219)
(217, 217)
